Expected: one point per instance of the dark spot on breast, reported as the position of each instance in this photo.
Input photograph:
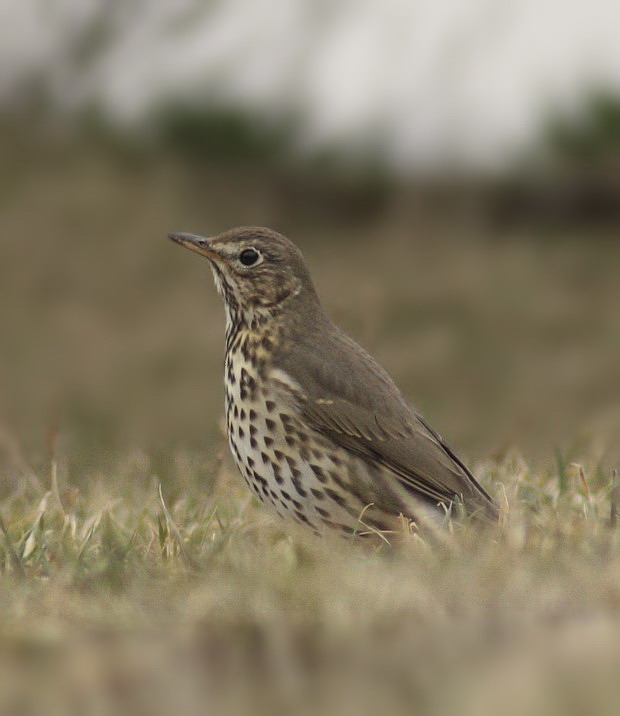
(235, 411)
(285, 495)
(253, 429)
(336, 460)
(321, 476)
(277, 473)
(337, 526)
(298, 487)
(336, 478)
(270, 405)
(253, 415)
(250, 462)
(284, 418)
(260, 479)
(291, 442)
(317, 493)
(279, 456)
(242, 414)
(264, 457)
(335, 496)
(247, 381)
(297, 504)
(322, 512)
(268, 441)
(253, 443)
(271, 426)
(302, 517)
(240, 432)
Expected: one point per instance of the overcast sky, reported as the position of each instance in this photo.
(435, 80)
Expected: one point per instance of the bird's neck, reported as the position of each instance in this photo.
(252, 328)
(272, 324)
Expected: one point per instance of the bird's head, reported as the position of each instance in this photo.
(256, 270)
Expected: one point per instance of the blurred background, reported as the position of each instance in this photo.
(451, 171)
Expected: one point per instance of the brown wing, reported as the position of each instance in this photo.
(348, 397)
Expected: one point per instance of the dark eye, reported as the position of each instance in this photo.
(249, 257)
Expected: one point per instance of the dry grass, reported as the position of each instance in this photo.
(139, 577)
(125, 602)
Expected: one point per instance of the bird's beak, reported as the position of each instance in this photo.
(196, 243)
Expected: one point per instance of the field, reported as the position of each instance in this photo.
(138, 574)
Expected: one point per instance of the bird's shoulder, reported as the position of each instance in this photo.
(341, 384)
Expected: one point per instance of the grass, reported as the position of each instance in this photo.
(138, 576)
(133, 603)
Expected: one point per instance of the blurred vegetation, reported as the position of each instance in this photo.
(569, 179)
(590, 140)
(225, 135)
(573, 175)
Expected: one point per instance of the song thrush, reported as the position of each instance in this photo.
(316, 426)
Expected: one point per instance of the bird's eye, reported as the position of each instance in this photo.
(249, 257)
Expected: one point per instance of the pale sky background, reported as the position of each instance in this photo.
(469, 81)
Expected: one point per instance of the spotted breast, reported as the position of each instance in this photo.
(289, 467)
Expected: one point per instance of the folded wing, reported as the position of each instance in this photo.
(348, 397)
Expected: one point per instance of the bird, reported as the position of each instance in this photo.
(316, 427)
